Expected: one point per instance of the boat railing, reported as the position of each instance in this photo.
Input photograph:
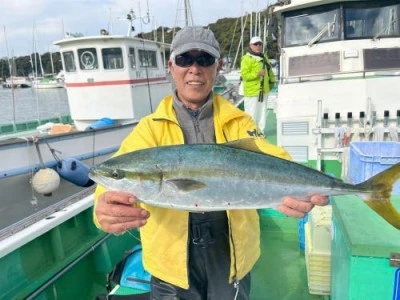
(9, 128)
(48, 215)
(341, 75)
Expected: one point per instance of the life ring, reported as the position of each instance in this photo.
(87, 60)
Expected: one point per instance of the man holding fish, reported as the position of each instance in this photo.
(193, 255)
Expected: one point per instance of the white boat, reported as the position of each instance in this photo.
(338, 110)
(16, 82)
(48, 82)
(339, 78)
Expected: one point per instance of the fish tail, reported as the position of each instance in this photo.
(387, 211)
(381, 186)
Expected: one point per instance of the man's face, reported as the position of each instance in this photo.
(194, 74)
(257, 47)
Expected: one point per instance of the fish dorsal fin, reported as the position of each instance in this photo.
(246, 144)
(186, 185)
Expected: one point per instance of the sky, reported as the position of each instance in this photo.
(29, 24)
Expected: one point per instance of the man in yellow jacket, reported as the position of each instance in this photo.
(193, 255)
(257, 79)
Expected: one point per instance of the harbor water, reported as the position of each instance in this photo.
(25, 104)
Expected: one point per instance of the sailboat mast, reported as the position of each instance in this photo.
(11, 74)
(51, 61)
(188, 14)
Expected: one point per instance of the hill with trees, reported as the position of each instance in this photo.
(226, 30)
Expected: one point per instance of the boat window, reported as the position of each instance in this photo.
(69, 61)
(148, 58)
(372, 21)
(132, 58)
(112, 58)
(88, 59)
(310, 26)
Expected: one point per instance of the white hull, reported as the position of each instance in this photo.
(48, 85)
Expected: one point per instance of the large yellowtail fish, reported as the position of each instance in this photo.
(235, 175)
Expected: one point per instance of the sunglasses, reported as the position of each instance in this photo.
(186, 60)
(257, 44)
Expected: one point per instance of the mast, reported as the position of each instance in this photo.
(11, 75)
(188, 14)
(51, 61)
(187, 10)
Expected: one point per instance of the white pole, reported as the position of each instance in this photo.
(51, 60)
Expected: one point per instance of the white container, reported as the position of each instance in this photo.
(318, 263)
(320, 223)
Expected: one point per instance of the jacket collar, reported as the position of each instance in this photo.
(223, 110)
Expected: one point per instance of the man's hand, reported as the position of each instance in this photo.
(116, 212)
(293, 207)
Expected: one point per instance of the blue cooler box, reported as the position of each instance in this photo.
(370, 158)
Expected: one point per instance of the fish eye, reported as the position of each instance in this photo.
(117, 174)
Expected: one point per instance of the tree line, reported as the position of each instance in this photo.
(226, 30)
(25, 65)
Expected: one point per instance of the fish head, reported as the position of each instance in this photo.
(110, 177)
(120, 177)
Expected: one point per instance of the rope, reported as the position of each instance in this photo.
(53, 152)
(131, 234)
(93, 147)
(34, 200)
(147, 76)
(36, 141)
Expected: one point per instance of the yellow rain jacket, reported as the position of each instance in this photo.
(250, 66)
(165, 236)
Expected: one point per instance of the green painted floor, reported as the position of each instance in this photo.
(280, 272)
(270, 127)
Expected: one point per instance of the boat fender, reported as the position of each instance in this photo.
(104, 122)
(75, 171)
(45, 181)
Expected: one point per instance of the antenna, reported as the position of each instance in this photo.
(131, 16)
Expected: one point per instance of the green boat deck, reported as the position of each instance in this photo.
(280, 273)
(72, 260)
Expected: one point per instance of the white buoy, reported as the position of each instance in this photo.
(46, 181)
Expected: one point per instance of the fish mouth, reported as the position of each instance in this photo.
(94, 174)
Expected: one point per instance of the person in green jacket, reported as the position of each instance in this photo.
(257, 79)
(193, 255)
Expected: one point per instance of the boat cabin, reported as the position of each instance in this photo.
(339, 77)
(113, 76)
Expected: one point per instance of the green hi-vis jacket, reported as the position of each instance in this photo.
(165, 236)
(250, 66)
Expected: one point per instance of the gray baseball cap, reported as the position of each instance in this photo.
(195, 38)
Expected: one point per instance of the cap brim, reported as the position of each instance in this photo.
(197, 46)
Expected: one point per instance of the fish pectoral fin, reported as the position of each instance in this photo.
(186, 185)
(387, 211)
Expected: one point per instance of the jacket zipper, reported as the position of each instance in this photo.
(233, 251)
